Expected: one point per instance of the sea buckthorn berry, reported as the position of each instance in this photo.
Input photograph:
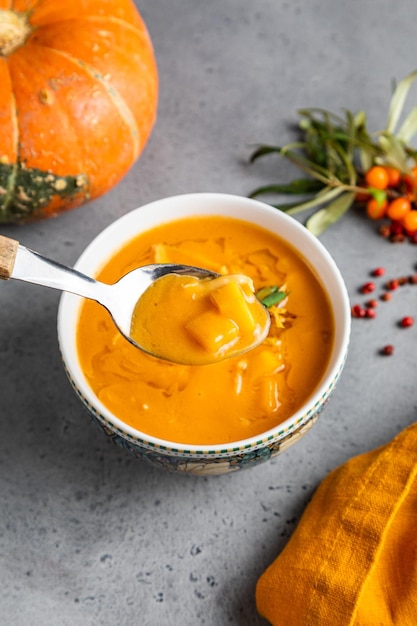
(409, 221)
(406, 322)
(387, 350)
(378, 271)
(368, 287)
(398, 208)
(394, 176)
(376, 210)
(377, 177)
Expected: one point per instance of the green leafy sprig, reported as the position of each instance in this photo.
(335, 153)
(270, 296)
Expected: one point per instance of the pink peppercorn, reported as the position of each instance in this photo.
(386, 296)
(392, 284)
(368, 287)
(357, 311)
(406, 322)
(370, 313)
(387, 350)
(371, 304)
(378, 271)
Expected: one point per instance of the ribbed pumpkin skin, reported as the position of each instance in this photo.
(77, 104)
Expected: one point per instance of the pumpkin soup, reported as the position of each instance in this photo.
(235, 398)
(195, 321)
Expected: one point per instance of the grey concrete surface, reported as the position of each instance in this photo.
(90, 536)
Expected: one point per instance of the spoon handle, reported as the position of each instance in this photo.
(8, 251)
(21, 263)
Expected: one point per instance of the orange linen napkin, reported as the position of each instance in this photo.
(352, 560)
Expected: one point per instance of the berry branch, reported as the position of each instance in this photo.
(345, 165)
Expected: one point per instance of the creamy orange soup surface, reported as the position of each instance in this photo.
(232, 399)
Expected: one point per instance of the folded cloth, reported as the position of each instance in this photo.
(352, 560)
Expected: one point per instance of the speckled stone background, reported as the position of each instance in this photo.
(90, 536)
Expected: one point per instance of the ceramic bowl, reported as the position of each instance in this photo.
(207, 459)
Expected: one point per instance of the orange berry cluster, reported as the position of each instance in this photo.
(391, 195)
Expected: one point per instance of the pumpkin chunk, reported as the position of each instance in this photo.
(231, 302)
(265, 363)
(268, 395)
(212, 331)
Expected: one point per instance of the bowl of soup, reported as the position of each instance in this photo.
(236, 412)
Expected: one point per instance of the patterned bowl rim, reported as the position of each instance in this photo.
(112, 238)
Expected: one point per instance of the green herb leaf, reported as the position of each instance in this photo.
(395, 150)
(319, 199)
(365, 159)
(299, 186)
(270, 296)
(359, 120)
(306, 164)
(409, 127)
(397, 101)
(323, 218)
(286, 207)
(311, 112)
(262, 151)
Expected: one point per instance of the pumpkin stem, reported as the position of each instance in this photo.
(14, 29)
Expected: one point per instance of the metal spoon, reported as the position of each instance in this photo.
(119, 299)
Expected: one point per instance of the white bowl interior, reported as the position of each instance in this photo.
(110, 240)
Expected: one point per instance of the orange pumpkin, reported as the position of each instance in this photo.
(78, 99)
